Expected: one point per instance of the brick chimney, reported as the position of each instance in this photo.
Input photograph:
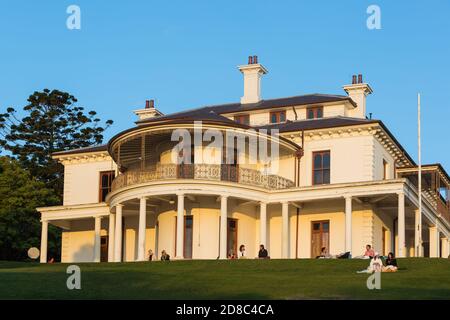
(149, 111)
(358, 91)
(253, 71)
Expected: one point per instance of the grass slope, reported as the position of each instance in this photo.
(243, 279)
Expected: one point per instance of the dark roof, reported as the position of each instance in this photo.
(203, 114)
(102, 147)
(263, 104)
(312, 124)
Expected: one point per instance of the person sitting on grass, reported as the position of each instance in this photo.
(391, 263)
(369, 254)
(165, 256)
(150, 255)
(324, 254)
(376, 265)
(242, 254)
(263, 254)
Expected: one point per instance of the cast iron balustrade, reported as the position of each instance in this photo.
(211, 172)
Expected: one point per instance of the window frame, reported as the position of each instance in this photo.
(322, 153)
(315, 111)
(277, 114)
(110, 173)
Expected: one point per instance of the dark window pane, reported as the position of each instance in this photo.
(310, 114)
(316, 226)
(326, 160)
(274, 118)
(326, 176)
(317, 161)
(318, 177)
(319, 113)
(282, 116)
(326, 226)
(104, 180)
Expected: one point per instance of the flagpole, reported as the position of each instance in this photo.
(419, 226)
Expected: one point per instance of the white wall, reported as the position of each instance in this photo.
(81, 181)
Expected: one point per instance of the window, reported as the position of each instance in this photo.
(314, 112)
(321, 167)
(277, 116)
(242, 119)
(106, 178)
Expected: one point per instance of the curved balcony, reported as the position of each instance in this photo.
(207, 172)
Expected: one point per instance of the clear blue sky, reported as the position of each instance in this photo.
(184, 54)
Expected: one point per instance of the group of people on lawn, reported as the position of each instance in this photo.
(262, 254)
(376, 262)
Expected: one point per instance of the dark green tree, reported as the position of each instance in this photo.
(52, 122)
(20, 227)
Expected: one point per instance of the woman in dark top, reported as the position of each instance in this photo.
(391, 263)
(263, 254)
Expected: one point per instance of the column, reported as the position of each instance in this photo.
(44, 237)
(434, 242)
(97, 228)
(348, 224)
(112, 225)
(118, 234)
(223, 227)
(180, 226)
(263, 224)
(142, 227)
(401, 225)
(285, 229)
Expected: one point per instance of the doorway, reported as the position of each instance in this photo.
(320, 237)
(104, 249)
(232, 230)
(188, 236)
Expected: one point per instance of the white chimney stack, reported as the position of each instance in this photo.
(252, 80)
(149, 111)
(358, 91)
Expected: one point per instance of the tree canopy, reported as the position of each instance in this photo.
(20, 225)
(52, 122)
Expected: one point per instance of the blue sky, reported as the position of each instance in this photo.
(184, 54)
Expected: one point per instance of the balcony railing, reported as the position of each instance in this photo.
(207, 172)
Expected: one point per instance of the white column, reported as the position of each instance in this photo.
(263, 223)
(118, 234)
(97, 228)
(401, 225)
(223, 227)
(142, 227)
(180, 226)
(112, 225)
(434, 242)
(285, 229)
(348, 224)
(44, 237)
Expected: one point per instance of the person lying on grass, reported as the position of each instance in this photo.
(376, 265)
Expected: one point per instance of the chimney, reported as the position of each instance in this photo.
(358, 91)
(252, 80)
(149, 111)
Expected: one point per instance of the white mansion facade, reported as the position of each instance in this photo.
(342, 181)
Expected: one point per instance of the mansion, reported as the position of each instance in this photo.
(339, 180)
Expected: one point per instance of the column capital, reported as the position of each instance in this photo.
(119, 205)
(143, 198)
(348, 196)
(284, 202)
(400, 193)
(263, 203)
(180, 194)
(224, 196)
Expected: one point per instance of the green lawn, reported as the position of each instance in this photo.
(239, 279)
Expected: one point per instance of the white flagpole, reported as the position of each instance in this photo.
(419, 226)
